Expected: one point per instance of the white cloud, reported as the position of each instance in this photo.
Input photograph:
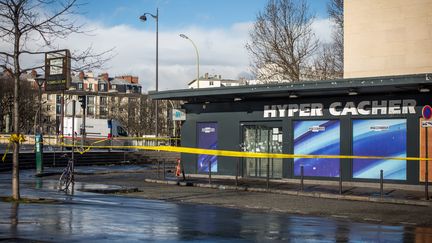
(222, 51)
(323, 29)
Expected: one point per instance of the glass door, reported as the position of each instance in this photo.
(262, 139)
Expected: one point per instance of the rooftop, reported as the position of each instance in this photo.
(339, 87)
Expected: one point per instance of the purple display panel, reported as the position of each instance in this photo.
(207, 139)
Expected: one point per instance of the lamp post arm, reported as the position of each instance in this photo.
(197, 56)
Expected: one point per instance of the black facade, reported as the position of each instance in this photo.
(365, 117)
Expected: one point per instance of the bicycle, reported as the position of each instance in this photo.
(67, 177)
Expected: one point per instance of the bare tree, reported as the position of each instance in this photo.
(282, 41)
(326, 64)
(335, 9)
(22, 23)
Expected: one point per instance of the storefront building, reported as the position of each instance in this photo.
(378, 116)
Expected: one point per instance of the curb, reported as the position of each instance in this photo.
(299, 193)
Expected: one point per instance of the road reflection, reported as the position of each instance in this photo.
(104, 218)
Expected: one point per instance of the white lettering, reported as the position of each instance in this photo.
(332, 108)
(376, 107)
(361, 108)
(304, 110)
(394, 107)
(408, 106)
(292, 108)
(379, 107)
(282, 109)
(316, 109)
(269, 112)
(349, 108)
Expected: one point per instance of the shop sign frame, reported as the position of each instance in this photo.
(57, 70)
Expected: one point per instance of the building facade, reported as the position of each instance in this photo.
(214, 81)
(387, 37)
(106, 98)
(352, 117)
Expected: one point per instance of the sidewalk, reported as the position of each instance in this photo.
(365, 192)
(353, 193)
(311, 188)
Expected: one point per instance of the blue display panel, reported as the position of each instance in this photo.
(379, 137)
(207, 139)
(318, 138)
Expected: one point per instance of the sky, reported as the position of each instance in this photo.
(220, 29)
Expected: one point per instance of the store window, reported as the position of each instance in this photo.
(379, 137)
(320, 137)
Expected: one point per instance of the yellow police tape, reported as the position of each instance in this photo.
(14, 138)
(225, 153)
(241, 154)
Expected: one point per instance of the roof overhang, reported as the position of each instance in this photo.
(340, 87)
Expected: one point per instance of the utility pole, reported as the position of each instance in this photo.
(83, 100)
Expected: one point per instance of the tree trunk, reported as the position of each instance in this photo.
(16, 128)
(15, 159)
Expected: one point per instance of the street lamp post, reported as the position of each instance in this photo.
(156, 17)
(40, 82)
(197, 55)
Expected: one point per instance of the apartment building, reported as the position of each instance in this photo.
(106, 97)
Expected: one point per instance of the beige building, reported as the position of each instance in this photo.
(387, 37)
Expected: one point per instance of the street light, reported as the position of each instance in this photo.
(197, 54)
(40, 82)
(156, 17)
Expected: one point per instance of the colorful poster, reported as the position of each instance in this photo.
(318, 138)
(207, 139)
(379, 137)
(423, 153)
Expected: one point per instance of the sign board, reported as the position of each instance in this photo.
(57, 70)
(426, 123)
(178, 115)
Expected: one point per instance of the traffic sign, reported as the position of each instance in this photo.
(427, 112)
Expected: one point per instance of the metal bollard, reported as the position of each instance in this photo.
(209, 173)
(340, 180)
(301, 177)
(158, 169)
(268, 174)
(381, 183)
(237, 172)
(183, 172)
(163, 166)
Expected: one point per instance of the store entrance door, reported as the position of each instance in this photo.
(262, 139)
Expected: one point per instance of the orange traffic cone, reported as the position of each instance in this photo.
(178, 168)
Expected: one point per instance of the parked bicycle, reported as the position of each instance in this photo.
(67, 177)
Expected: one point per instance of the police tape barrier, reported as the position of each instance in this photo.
(14, 138)
(225, 153)
(241, 154)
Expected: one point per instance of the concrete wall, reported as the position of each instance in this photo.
(387, 37)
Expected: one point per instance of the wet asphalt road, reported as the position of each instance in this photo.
(91, 217)
(102, 218)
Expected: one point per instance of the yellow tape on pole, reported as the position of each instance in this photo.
(14, 138)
